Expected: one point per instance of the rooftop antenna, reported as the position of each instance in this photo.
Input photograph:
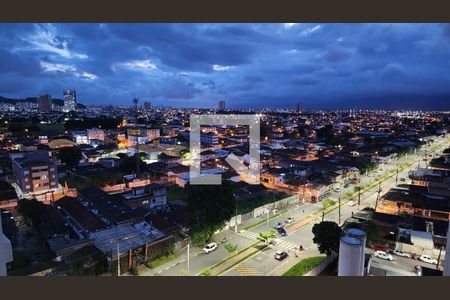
(136, 134)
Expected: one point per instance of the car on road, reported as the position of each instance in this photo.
(401, 253)
(210, 248)
(428, 259)
(337, 190)
(290, 220)
(346, 185)
(402, 179)
(282, 231)
(383, 255)
(280, 255)
(278, 225)
(351, 203)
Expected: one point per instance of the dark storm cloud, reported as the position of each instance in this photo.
(257, 65)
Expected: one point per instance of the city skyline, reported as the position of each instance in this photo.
(392, 66)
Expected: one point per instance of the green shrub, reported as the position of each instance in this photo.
(304, 266)
(134, 271)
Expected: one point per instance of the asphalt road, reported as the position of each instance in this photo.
(263, 262)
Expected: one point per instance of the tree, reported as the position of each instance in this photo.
(128, 165)
(327, 236)
(71, 156)
(209, 206)
(264, 236)
(31, 210)
(231, 248)
(326, 133)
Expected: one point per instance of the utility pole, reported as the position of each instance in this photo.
(188, 257)
(396, 178)
(439, 257)
(235, 218)
(378, 195)
(136, 149)
(323, 216)
(118, 259)
(359, 196)
(339, 205)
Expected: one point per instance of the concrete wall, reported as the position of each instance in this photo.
(323, 265)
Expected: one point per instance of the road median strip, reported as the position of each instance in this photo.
(214, 272)
(346, 199)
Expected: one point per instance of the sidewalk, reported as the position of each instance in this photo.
(292, 261)
(179, 259)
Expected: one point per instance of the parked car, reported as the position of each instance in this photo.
(337, 190)
(383, 255)
(278, 225)
(428, 259)
(280, 255)
(282, 231)
(402, 179)
(351, 203)
(210, 248)
(401, 253)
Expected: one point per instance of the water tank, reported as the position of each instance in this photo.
(447, 254)
(349, 263)
(361, 235)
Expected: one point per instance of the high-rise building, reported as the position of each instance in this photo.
(147, 105)
(45, 103)
(299, 107)
(70, 100)
(221, 105)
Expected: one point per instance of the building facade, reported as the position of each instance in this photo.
(34, 173)
(70, 100)
(45, 103)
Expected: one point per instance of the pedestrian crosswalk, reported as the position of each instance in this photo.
(249, 234)
(248, 271)
(285, 245)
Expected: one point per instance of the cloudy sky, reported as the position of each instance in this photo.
(248, 65)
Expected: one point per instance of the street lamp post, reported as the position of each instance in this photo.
(188, 258)
(378, 195)
(359, 196)
(339, 205)
(235, 217)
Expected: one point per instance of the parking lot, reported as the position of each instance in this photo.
(400, 266)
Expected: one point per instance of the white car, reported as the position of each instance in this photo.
(428, 259)
(337, 190)
(401, 253)
(290, 220)
(351, 203)
(383, 255)
(210, 248)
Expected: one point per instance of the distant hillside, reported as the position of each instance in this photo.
(397, 102)
(58, 102)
